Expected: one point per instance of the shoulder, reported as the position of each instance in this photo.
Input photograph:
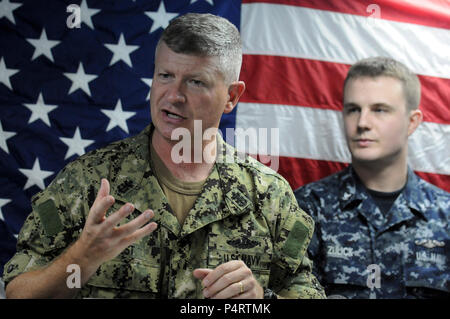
(115, 152)
(322, 198)
(248, 171)
(89, 168)
(430, 199)
(328, 187)
(112, 155)
(432, 191)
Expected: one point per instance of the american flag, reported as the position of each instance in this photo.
(69, 86)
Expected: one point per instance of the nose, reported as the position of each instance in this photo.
(175, 93)
(364, 120)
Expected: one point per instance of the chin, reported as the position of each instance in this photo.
(164, 131)
(365, 158)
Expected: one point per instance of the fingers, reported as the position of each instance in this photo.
(227, 285)
(242, 289)
(221, 270)
(229, 280)
(141, 232)
(115, 218)
(135, 224)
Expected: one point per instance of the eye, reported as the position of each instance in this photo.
(164, 76)
(197, 82)
(351, 109)
(380, 110)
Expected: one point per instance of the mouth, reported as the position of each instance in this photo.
(363, 142)
(172, 115)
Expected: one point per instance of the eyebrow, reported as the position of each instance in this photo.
(382, 104)
(351, 104)
(203, 75)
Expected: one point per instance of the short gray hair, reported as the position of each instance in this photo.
(383, 66)
(207, 35)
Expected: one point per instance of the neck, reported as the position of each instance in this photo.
(381, 177)
(189, 164)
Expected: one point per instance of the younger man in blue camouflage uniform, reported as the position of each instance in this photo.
(381, 231)
(221, 227)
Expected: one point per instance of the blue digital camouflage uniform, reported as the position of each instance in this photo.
(246, 211)
(410, 245)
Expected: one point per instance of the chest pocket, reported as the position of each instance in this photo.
(344, 270)
(426, 269)
(255, 252)
(124, 280)
(129, 275)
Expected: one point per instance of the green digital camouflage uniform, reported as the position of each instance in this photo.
(246, 211)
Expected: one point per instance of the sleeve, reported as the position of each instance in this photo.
(291, 271)
(307, 201)
(56, 220)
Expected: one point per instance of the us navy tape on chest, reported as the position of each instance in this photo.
(249, 260)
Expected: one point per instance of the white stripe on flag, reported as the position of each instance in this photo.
(293, 31)
(312, 133)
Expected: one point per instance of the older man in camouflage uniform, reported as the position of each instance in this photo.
(218, 227)
(381, 231)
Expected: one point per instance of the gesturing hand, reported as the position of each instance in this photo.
(101, 238)
(232, 279)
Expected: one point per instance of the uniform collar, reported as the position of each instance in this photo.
(414, 196)
(351, 190)
(223, 194)
(353, 193)
(127, 175)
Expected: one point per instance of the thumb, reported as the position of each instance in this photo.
(201, 273)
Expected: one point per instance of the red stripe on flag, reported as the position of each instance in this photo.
(441, 181)
(293, 81)
(432, 13)
(313, 83)
(300, 171)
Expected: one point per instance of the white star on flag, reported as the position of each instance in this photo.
(43, 46)
(147, 81)
(80, 80)
(3, 202)
(3, 137)
(87, 13)
(209, 1)
(6, 73)
(161, 18)
(76, 144)
(7, 8)
(40, 110)
(35, 175)
(118, 117)
(121, 51)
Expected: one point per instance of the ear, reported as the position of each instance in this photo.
(235, 91)
(415, 118)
